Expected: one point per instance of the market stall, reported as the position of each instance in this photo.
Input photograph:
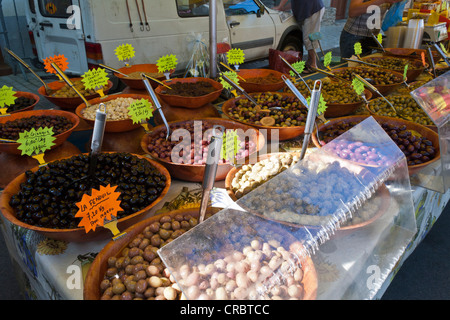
(256, 184)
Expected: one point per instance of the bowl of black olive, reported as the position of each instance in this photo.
(24, 101)
(62, 122)
(44, 198)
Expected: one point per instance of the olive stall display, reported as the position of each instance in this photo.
(418, 149)
(67, 92)
(406, 107)
(48, 196)
(117, 109)
(377, 77)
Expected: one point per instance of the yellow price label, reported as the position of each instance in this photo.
(36, 141)
(167, 63)
(230, 145)
(358, 48)
(95, 79)
(235, 56)
(140, 110)
(233, 76)
(7, 97)
(125, 52)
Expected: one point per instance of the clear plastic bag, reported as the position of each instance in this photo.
(198, 65)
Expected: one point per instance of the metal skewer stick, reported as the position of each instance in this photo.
(295, 71)
(212, 163)
(328, 74)
(156, 102)
(70, 84)
(113, 70)
(378, 42)
(311, 119)
(362, 62)
(430, 56)
(441, 53)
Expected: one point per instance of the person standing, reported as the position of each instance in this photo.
(308, 14)
(356, 29)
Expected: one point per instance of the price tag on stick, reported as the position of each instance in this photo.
(125, 52)
(166, 64)
(140, 111)
(96, 79)
(7, 98)
(235, 57)
(60, 61)
(358, 49)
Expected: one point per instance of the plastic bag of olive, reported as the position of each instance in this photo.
(44, 199)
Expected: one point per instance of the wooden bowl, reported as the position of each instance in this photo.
(191, 172)
(232, 173)
(138, 84)
(97, 270)
(188, 102)
(383, 89)
(260, 86)
(78, 234)
(12, 148)
(113, 125)
(411, 74)
(284, 133)
(420, 129)
(68, 103)
(28, 95)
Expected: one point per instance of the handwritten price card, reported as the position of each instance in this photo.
(299, 66)
(358, 48)
(95, 79)
(7, 98)
(358, 86)
(233, 76)
(101, 205)
(230, 145)
(235, 56)
(140, 110)
(167, 63)
(125, 52)
(36, 141)
(327, 59)
(59, 60)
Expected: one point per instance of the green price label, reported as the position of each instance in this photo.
(95, 79)
(167, 63)
(140, 110)
(125, 52)
(230, 145)
(321, 107)
(358, 86)
(235, 56)
(380, 38)
(327, 59)
(36, 141)
(299, 66)
(233, 76)
(405, 72)
(7, 97)
(358, 48)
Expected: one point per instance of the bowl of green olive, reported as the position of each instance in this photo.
(415, 67)
(282, 115)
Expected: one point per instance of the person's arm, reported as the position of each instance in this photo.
(358, 7)
(280, 7)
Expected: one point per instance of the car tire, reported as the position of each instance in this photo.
(292, 43)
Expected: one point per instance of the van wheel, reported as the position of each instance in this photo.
(292, 43)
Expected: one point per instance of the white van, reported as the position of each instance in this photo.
(87, 32)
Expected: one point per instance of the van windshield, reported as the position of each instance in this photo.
(55, 8)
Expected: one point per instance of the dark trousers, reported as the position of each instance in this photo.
(347, 44)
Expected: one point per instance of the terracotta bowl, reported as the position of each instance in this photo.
(28, 95)
(195, 173)
(78, 234)
(335, 110)
(284, 133)
(420, 129)
(188, 102)
(383, 89)
(180, 114)
(68, 103)
(410, 53)
(411, 74)
(138, 83)
(12, 148)
(260, 86)
(97, 270)
(112, 125)
(232, 173)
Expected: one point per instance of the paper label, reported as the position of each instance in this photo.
(101, 205)
(424, 61)
(321, 107)
(327, 59)
(95, 79)
(443, 48)
(167, 63)
(230, 145)
(36, 141)
(233, 76)
(299, 66)
(358, 48)
(405, 72)
(358, 86)
(59, 60)
(235, 56)
(125, 52)
(380, 38)
(140, 110)
(7, 97)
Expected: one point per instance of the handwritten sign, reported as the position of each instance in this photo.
(59, 60)
(230, 145)
(358, 86)
(95, 79)
(235, 56)
(299, 66)
(7, 98)
(167, 63)
(233, 76)
(358, 48)
(101, 205)
(36, 141)
(140, 110)
(125, 52)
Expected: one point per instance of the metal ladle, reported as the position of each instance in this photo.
(156, 102)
